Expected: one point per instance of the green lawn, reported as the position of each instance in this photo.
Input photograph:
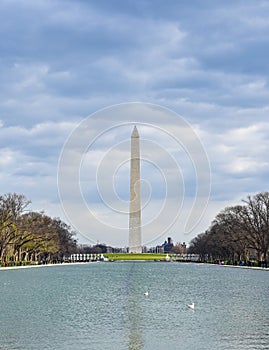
(143, 256)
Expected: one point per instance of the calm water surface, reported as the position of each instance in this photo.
(102, 306)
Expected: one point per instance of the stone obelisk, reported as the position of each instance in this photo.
(135, 245)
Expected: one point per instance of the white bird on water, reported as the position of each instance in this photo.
(146, 293)
(191, 306)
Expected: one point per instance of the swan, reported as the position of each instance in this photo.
(191, 306)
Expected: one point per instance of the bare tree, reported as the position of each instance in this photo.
(255, 222)
(26, 235)
(12, 205)
(237, 230)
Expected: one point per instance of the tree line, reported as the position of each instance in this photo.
(27, 236)
(238, 235)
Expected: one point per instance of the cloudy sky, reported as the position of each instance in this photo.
(64, 60)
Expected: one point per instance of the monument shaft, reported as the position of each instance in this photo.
(135, 245)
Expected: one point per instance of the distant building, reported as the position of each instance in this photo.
(160, 249)
(144, 249)
(109, 249)
(168, 245)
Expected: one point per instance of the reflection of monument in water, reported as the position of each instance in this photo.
(136, 304)
(135, 245)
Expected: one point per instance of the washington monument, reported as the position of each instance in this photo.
(135, 245)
